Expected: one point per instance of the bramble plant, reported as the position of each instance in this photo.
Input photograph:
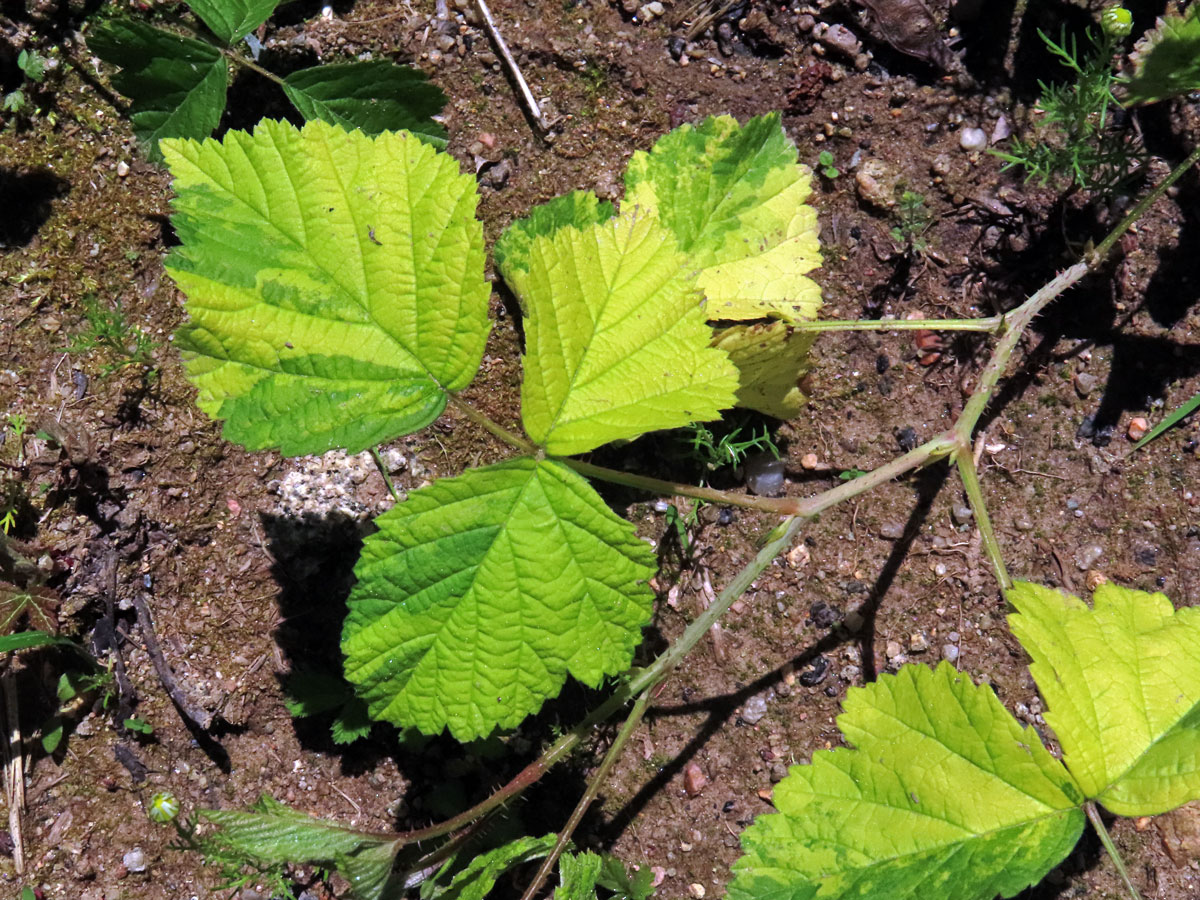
(177, 83)
(943, 779)
(355, 310)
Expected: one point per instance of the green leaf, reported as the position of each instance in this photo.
(578, 874)
(310, 693)
(175, 85)
(1185, 409)
(232, 20)
(772, 358)
(369, 871)
(273, 833)
(1166, 59)
(578, 209)
(52, 734)
(335, 283)
(35, 608)
(27, 640)
(615, 877)
(477, 878)
(480, 594)
(373, 96)
(352, 723)
(1121, 683)
(615, 339)
(734, 197)
(946, 796)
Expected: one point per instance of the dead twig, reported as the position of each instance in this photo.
(201, 718)
(531, 105)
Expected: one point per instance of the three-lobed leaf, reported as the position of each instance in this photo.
(334, 280)
(480, 594)
(1121, 681)
(945, 796)
(616, 343)
(373, 96)
(176, 85)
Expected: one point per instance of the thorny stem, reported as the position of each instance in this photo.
(1102, 249)
(987, 323)
(240, 60)
(970, 480)
(1093, 815)
(594, 782)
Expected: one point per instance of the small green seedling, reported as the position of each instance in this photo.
(914, 219)
(1076, 140)
(943, 795)
(139, 726)
(730, 450)
(828, 169)
(107, 331)
(33, 65)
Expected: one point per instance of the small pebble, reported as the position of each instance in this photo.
(1023, 524)
(939, 569)
(949, 652)
(694, 780)
(893, 531)
(961, 514)
(917, 643)
(893, 649)
(972, 139)
(122, 169)
(1085, 383)
(823, 615)
(134, 860)
(815, 673)
(1087, 556)
(854, 622)
(754, 709)
(809, 461)
(1138, 427)
(764, 474)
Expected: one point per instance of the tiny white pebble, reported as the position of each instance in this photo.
(972, 139)
(122, 169)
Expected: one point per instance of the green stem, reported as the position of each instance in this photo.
(806, 507)
(1093, 815)
(970, 480)
(387, 478)
(239, 60)
(988, 323)
(1015, 324)
(1139, 208)
(491, 427)
(594, 783)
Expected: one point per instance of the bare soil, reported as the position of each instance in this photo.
(246, 573)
